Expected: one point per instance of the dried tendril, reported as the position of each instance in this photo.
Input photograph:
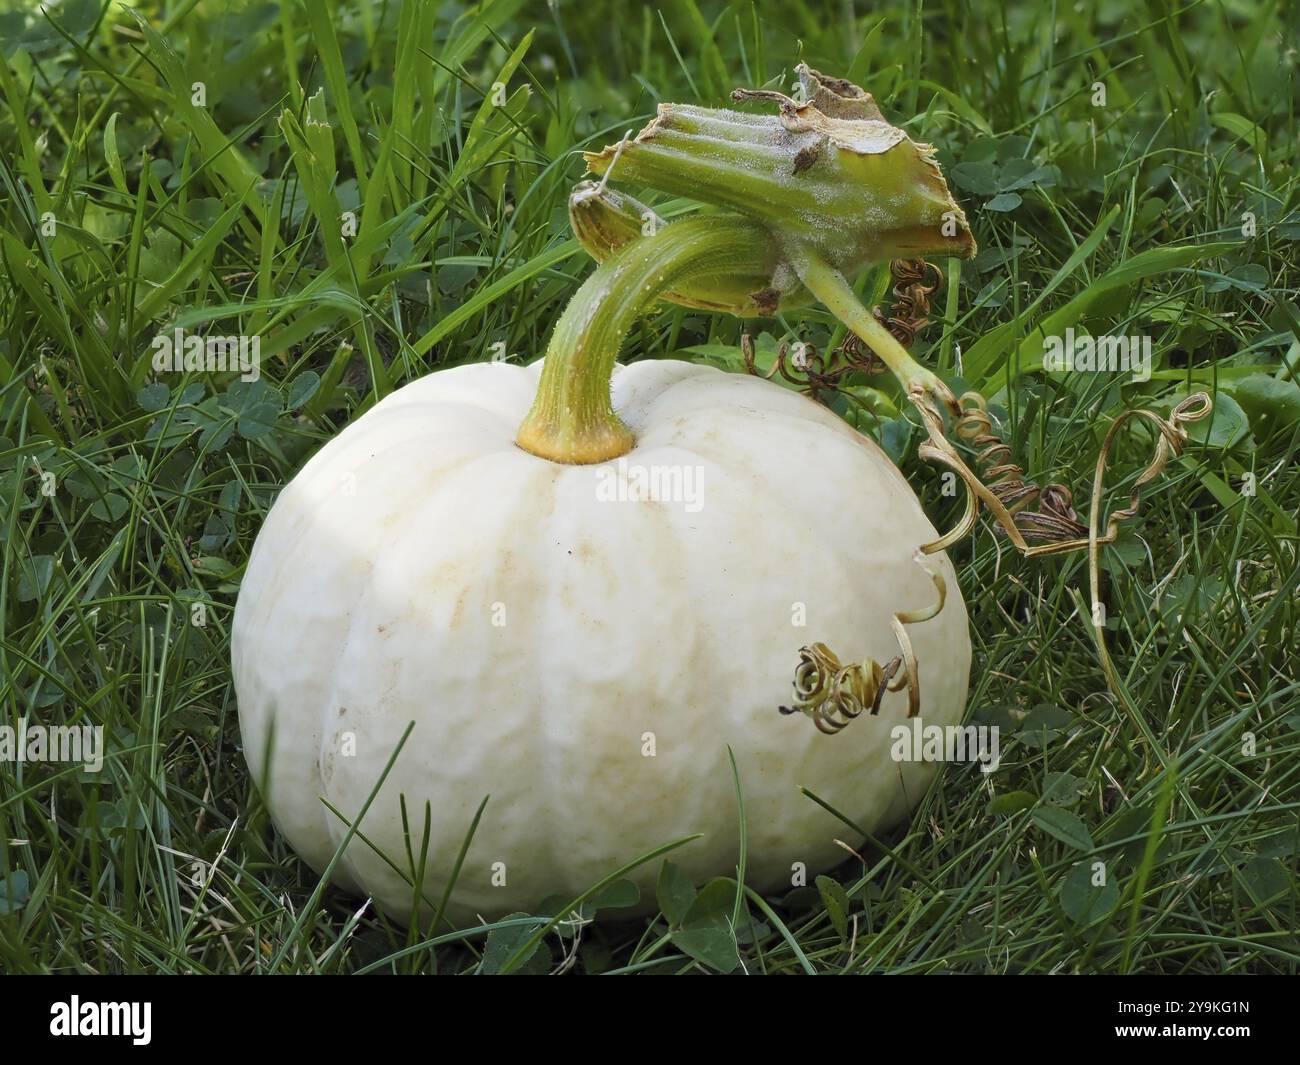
(841, 693)
(833, 694)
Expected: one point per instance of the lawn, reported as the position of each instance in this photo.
(379, 190)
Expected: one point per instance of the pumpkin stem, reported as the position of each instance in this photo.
(572, 419)
(829, 286)
(605, 220)
(829, 171)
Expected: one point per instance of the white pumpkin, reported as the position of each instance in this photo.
(582, 657)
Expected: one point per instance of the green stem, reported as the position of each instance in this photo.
(572, 419)
(860, 191)
(605, 221)
(830, 287)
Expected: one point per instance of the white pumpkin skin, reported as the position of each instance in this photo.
(544, 639)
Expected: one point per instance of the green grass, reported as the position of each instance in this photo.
(129, 500)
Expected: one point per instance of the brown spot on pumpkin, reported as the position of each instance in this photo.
(459, 611)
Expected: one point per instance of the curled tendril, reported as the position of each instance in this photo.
(833, 694)
(1055, 523)
(1055, 520)
(915, 281)
(806, 368)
